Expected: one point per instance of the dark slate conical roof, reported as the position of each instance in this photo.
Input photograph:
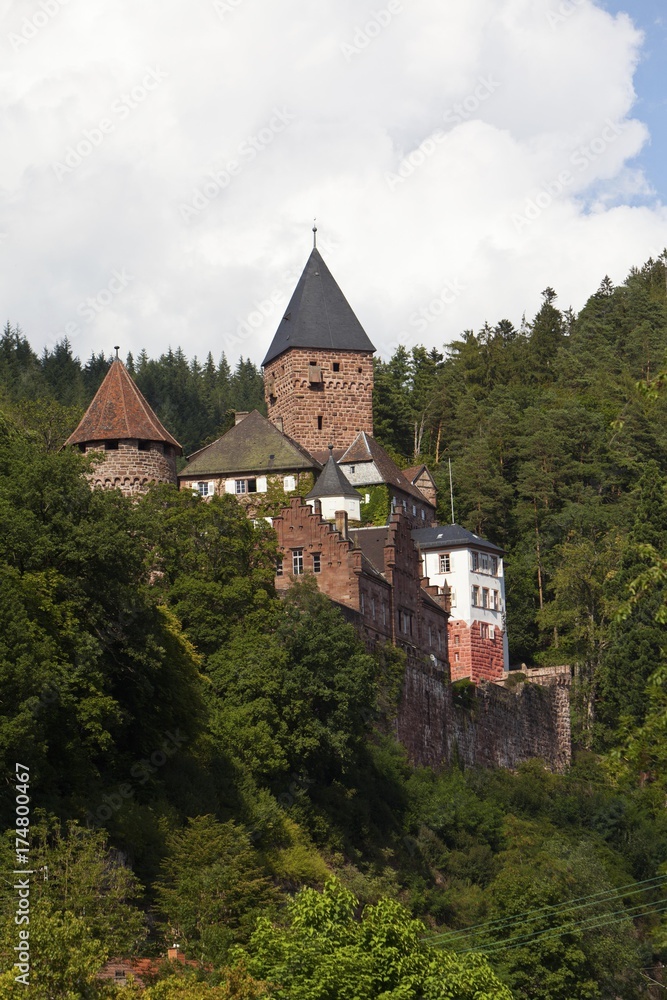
(318, 316)
(120, 412)
(332, 482)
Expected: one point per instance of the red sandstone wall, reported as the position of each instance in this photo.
(479, 659)
(344, 399)
(130, 470)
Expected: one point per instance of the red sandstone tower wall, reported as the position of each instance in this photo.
(316, 405)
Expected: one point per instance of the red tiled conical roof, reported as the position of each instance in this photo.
(119, 412)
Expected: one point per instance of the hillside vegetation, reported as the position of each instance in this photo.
(212, 765)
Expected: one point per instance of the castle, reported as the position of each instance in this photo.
(343, 512)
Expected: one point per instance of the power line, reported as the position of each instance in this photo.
(591, 924)
(557, 908)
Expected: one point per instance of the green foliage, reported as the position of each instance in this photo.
(325, 951)
(376, 511)
(212, 886)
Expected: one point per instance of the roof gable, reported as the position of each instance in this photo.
(365, 448)
(253, 445)
(318, 316)
(119, 412)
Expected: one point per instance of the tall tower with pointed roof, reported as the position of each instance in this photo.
(138, 450)
(318, 371)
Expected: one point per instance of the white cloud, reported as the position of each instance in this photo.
(559, 101)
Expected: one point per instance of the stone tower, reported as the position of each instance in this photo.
(137, 449)
(318, 372)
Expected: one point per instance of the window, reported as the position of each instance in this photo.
(484, 630)
(423, 514)
(494, 566)
(492, 633)
(111, 446)
(204, 489)
(144, 445)
(485, 597)
(439, 641)
(240, 486)
(445, 563)
(405, 505)
(352, 471)
(475, 597)
(456, 657)
(372, 607)
(474, 561)
(496, 600)
(289, 483)
(279, 566)
(297, 562)
(410, 623)
(252, 486)
(317, 562)
(384, 613)
(430, 636)
(319, 423)
(457, 640)
(414, 510)
(336, 366)
(363, 603)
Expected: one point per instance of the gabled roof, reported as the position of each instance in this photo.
(119, 412)
(372, 541)
(318, 316)
(415, 471)
(452, 536)
(333, 482)
(253, 445)
(365, 448)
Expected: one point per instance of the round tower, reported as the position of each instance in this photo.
(138, 450)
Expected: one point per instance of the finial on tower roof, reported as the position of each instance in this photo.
(117, 349)
(331, 448)
(314, 234)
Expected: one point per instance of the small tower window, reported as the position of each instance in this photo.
(317, 562)
(111, 446)
(144, 445)
(319, 423)
(336, 366)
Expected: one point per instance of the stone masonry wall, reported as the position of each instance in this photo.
(343, 399)
(130, 470)
(483, 726)
(474, 656)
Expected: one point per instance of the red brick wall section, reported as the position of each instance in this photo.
(344, 399)
(132, 471)
(472, 656)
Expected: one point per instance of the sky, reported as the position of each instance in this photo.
(162, 163)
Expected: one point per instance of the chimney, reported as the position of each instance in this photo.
(341, 522)
(174, 953)
(239, 416)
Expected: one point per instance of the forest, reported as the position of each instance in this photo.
(214, 767)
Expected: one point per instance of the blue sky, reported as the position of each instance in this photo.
(651, 85)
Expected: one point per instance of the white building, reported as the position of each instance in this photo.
(473, 569)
